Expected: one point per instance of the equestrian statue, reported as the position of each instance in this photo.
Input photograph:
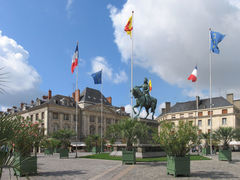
(143, 99)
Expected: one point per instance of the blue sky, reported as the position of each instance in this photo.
(39, 39)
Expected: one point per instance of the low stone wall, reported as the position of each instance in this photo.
(142, 150)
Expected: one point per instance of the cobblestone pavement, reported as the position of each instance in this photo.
(51, 167)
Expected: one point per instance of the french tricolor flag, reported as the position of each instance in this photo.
(75, 59)
(193, 76)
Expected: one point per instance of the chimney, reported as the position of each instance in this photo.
(230, 98)
(49, 94)
(122, 108)
(163, 110)
(109, 99)
(168, 106)
(45, 97)
(73, 95)
(21, 106)
(32, 102)
(8, 109)
(77, 95)
(197, 101)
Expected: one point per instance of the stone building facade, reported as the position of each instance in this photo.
(225, 113)
(59, 112)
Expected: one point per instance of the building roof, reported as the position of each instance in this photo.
(203, 104)
(92, 96)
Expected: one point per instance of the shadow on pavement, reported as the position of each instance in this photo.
(152, 163)
(213, 175)
(61, 173)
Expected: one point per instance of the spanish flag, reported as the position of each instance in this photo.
(128, 28)
(150, 85)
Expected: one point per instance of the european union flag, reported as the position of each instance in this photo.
(216, 38)
(97, 77)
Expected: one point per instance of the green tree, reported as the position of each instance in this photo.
(94, 141)
(130, 131)
(206, 138)
(237, 134)
(64, 135)
(177, 141)
(225, 135)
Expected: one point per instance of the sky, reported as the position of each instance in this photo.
(170, 37)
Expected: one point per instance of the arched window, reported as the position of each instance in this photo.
(92, 129)
(55, 127)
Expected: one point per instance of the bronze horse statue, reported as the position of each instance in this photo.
(141, 101)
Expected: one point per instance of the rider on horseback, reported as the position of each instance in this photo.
(145, 89)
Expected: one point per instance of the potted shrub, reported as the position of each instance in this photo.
(225, 135)
(206, 147)
(64, 136)
(50, 145)
(28, 136)
(130, 131)
(177, 142)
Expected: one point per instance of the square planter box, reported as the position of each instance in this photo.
(178, 165)
(63, 153)
(128, 157)
(206, 151)
(25, 165)
(48, 151)
(225, 155)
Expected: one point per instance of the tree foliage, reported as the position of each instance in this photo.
(225, 135)
(64, 135)
(177, 141)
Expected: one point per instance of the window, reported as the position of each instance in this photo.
(55, 127)
(92, 119)
(209, 130)
(37, 116)
(55, 115)
(108, 121)
(224, 121)
(181, 115)
(209, 122)
(66, 116)
(209, 113)
(66, 126)
(224, 111)
(190, 114)
(32, 118)
(74, 117)
(199, 123)
(92, 129)
(42, 115)
(99, 119)
(199, 114)
(173, 116)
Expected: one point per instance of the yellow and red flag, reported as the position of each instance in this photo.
(128, 28)
(150, 85)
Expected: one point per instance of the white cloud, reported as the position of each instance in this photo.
(171, 37)
(68, 7)
(22, 80)
(162, 105)
(100, 63)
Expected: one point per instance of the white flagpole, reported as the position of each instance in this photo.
(76, 99)
(101, 107)
(210, 82)
(132, 69)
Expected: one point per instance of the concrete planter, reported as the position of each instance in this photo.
(48, 151)
(25, 165)
(128, 157)
(178, 165)
(63, 153)
(206, 151)
(225, 155)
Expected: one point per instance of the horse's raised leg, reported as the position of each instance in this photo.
(139, 111)
(147, 113)
(135, 107)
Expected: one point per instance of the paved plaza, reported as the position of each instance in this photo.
(51, 168)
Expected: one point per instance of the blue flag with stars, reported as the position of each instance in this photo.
(97, 77)
(216, 38)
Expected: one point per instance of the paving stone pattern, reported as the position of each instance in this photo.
(51, 168)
